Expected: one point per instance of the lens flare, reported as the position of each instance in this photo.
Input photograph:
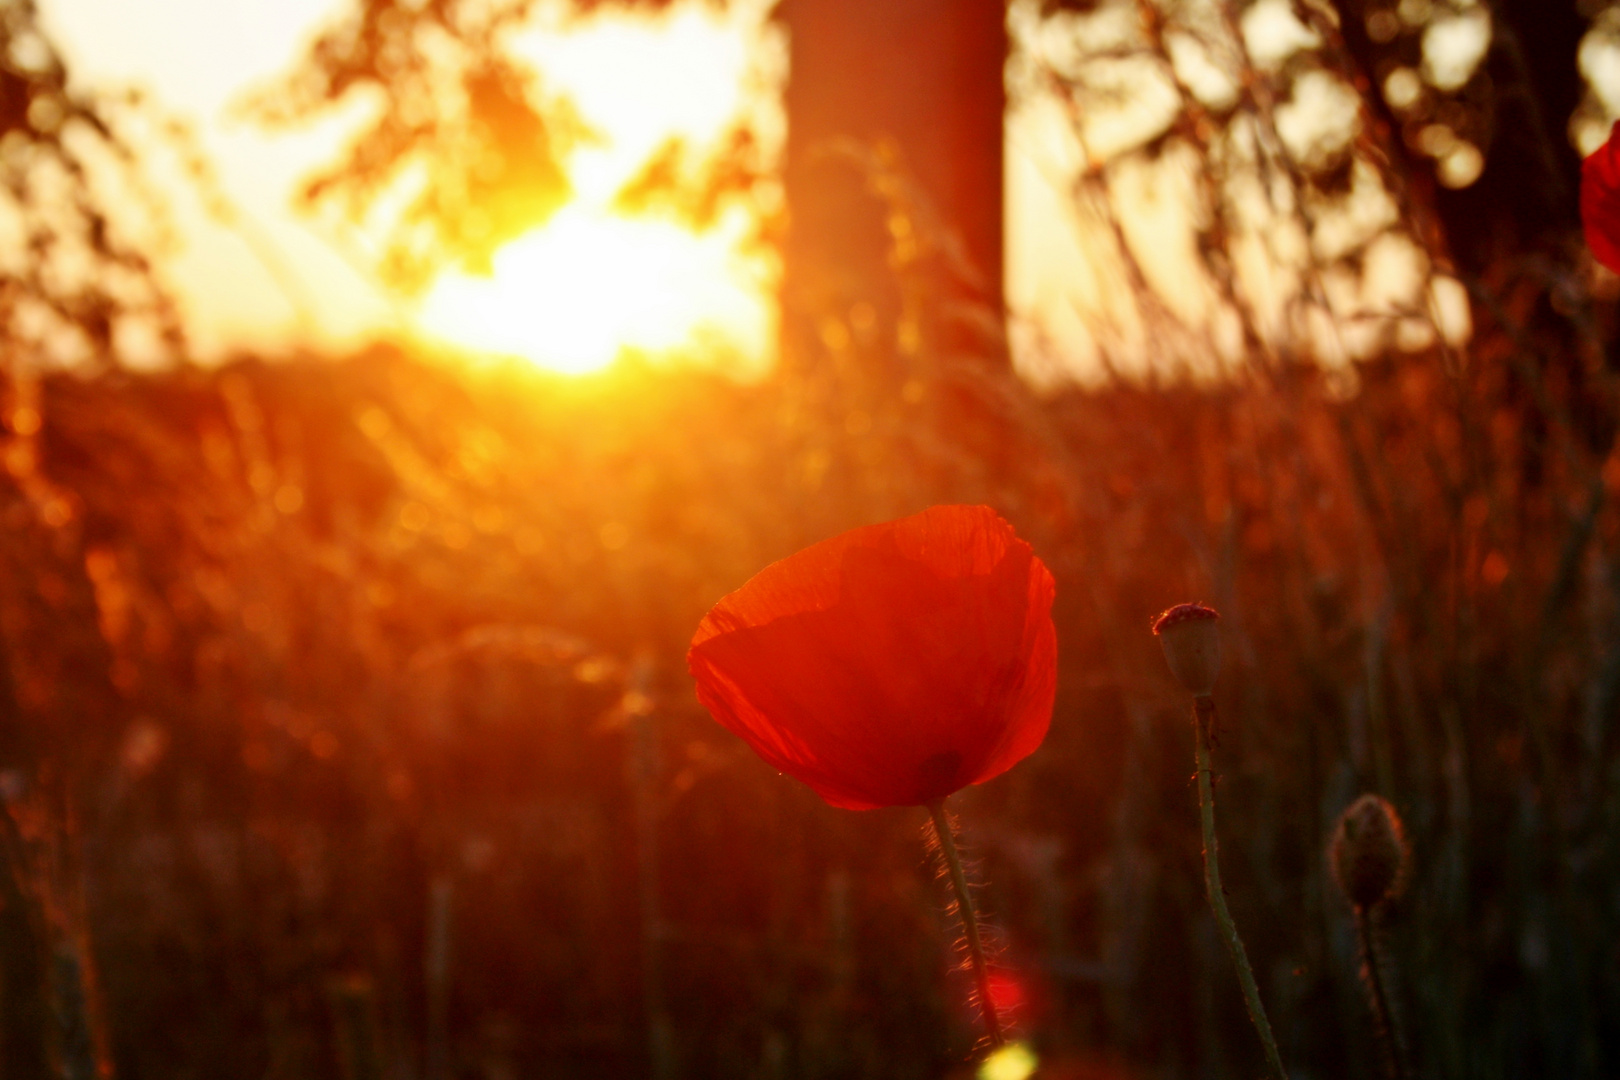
(1015, 1061)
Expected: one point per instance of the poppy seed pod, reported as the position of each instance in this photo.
(1369, 853)
(890, 665)
(1192, 645)
(1600, 201)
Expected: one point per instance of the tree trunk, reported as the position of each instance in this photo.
(912, 84)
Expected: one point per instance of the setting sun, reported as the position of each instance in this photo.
(574, 294)
(592, 283)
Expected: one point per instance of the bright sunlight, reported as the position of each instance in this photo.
(591, 284)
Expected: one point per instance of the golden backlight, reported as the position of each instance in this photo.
(592, 284)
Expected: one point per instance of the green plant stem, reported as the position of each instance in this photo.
(1204, 722)
(1383, 1015)
(970, 921)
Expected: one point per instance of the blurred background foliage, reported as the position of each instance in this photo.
(344, 724)
(72, 281)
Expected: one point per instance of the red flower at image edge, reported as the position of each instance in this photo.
(1600, 201)
(891, 665)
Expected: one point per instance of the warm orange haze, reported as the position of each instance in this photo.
(601, 280)
(575, 294)
(696, 541)
(571, 294)
(595, 282)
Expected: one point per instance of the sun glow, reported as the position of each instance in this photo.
(591, 284)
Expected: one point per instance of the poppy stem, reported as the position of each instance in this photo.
(1204, 722)
(1383, 1015)
(970, 921)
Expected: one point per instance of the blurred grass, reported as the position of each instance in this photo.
(293, 648)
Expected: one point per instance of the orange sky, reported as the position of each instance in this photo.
(571, 294)
(638, 82)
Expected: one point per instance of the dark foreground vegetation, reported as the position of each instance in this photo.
(347, 733)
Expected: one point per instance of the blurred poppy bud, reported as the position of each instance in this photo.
(1600, 201)
(1192, 645)
(1369, 853)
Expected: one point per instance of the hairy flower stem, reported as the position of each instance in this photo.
(970, 921)
(1204, 722)
(1383, 1015)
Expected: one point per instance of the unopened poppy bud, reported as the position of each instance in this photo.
(1369, 852)
(1192, 645)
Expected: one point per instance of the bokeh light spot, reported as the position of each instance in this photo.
(1015, 1061)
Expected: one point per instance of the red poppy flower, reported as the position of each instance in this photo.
(891, 665)
(1600, 201)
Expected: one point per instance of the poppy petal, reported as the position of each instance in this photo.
(1600, 201)
(890, 665)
